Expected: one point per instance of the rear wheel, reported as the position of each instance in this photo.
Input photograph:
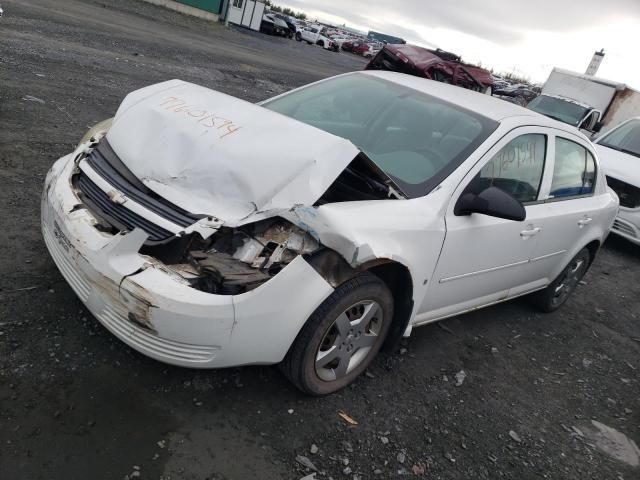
(341, 338)
(554, 296)
(298, 37)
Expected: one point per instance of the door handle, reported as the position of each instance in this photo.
(584, 221)
(530, 233)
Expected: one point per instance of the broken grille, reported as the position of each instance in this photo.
(628, 194)
(106, 163)
(117, 215)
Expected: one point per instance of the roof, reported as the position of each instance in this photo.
(479, 103)
(590, 78)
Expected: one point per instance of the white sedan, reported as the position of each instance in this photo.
(311, 230)
(619, 151)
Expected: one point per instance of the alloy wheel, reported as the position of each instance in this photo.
(569, 280)
(348, 341)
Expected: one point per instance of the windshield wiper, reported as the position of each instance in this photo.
(383, 178)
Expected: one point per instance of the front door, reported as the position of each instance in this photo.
(484, 257)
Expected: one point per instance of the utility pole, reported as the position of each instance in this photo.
(596, 60)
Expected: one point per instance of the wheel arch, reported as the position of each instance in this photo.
(398, 280)
(395, 275)
(593, 247)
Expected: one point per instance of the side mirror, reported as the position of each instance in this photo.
(597, 127)
(492, 202)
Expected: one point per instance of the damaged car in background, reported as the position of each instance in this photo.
(193, 236)
(619, 151)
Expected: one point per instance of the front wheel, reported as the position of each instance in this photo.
(552, 297)
(341, 338)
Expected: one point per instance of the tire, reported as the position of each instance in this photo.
(333, 328)
(558, 291)
(309, 42)
(298, 36)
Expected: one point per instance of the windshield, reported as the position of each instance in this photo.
(625, 138)
(558, 109)
(416, 139)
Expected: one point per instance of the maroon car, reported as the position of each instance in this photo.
(432, 64)
(360, 48)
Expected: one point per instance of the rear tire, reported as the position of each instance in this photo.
(557, 293)
(341, 337)
(298, 36)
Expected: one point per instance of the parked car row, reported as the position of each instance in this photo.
(329, 38)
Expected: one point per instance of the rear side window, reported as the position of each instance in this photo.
(574, 173)
(516, 169)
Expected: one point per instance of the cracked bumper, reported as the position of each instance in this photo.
(156, 313)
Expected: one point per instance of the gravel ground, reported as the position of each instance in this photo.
(77, 403)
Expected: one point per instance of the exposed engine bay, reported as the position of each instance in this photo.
(234, 260)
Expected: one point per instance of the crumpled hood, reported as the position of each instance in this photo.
(619, 165)
(210, 153)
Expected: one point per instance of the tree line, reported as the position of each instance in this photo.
(285, 10)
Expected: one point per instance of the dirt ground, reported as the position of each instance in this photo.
(77, 403)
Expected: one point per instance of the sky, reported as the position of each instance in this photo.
(526, 37)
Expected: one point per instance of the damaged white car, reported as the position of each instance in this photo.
(205, 231)
(619, 151)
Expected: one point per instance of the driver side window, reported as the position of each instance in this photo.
(516, 169)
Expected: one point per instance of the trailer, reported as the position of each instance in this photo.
(588, 103)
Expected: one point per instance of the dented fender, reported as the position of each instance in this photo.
(367, 232)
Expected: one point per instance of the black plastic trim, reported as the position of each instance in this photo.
(105, 162)
(117, 215)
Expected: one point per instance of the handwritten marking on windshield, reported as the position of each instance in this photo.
(202, 116)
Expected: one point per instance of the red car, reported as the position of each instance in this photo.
(432, 64)
(360, 48)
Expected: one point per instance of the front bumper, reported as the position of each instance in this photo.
(153, 310)
(627, 224)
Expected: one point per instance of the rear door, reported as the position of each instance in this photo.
(570, 207)
(484, 257)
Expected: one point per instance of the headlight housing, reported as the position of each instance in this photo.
(99, 129)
